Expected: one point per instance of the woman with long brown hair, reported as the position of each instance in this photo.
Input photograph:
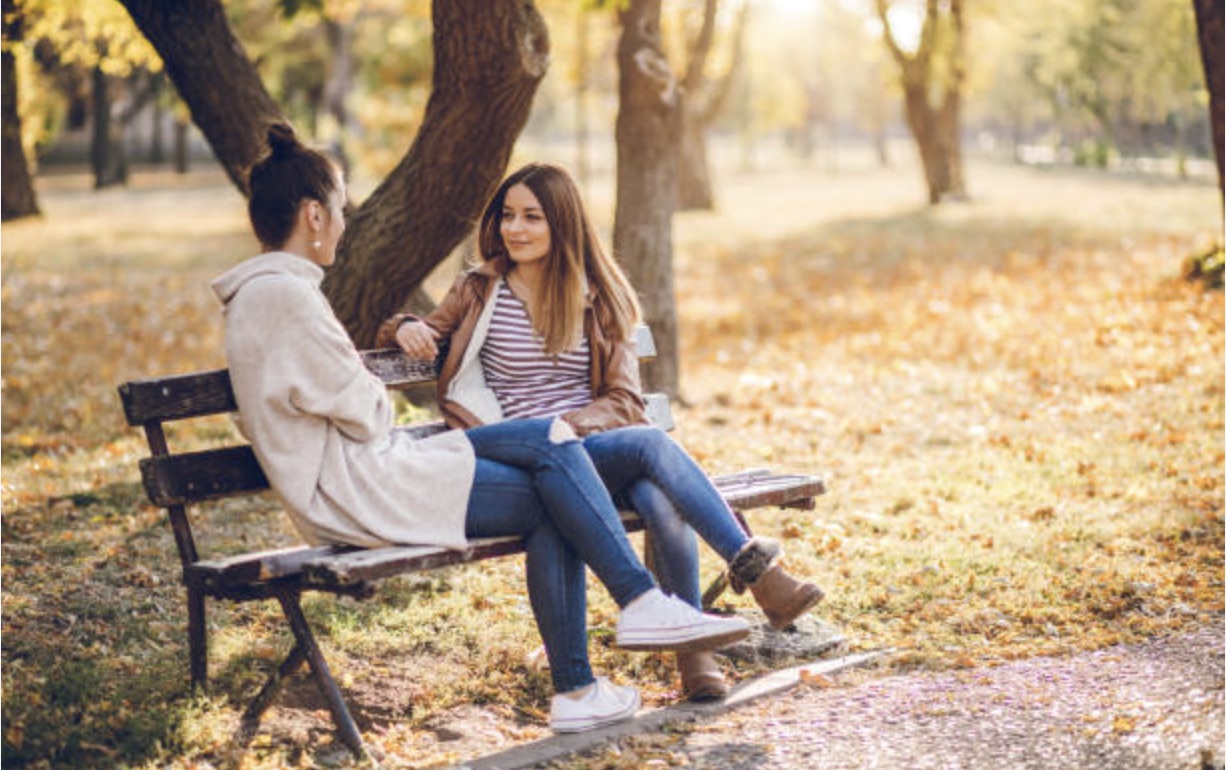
(543, 327)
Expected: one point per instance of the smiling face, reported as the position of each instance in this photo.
(524, 229)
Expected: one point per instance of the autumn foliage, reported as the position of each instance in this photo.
(1017, 404)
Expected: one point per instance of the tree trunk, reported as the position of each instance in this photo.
(213, 76)
(704, 100)
(157, 132)
(648, 129)
(107, 154)
(694, 190)
(1209, 29)
(926, 131)
(936, 130)
(949, 119)
(582, 66)
(17, 198)
(489, 59)
(339, 83)
(183, 159)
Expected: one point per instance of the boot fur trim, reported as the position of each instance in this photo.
(754, 558)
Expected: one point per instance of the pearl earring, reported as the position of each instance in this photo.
(317, 244)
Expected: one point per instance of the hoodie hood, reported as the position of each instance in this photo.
(226, 285)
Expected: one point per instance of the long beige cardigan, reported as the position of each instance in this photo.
(321, 424)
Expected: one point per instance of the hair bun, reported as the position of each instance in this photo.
(281, 139)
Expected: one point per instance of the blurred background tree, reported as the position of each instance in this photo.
(74, 65)
(1108, 84)
(1104, 83)
(932, 64)
(17, 185)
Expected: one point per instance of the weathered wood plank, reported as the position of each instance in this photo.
(258, 567)
(193, 477)
(644, 343)
(178, 397)
(659, 411)
(334, 570)
(792, 491)
(397, 370)
(184, 396)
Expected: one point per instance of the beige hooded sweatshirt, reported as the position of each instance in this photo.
(321, 424)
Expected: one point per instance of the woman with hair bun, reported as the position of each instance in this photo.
(322, 428)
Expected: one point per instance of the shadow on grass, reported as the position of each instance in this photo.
(95, 644)
(85, 677)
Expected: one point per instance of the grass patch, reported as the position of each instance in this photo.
(1017, 404)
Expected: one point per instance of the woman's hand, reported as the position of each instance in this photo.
(418, 340)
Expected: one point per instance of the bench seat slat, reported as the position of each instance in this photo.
(344, 569)
(384, 562)
(766, 490)
(184, 396)
(743, 491)
(397, 370)
(259, 567)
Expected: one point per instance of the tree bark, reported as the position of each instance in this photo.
(213, 76)
(648, 132)
(489, 58)
(703, 102)
(936, 129)
(1209, 30)
(339, 83)
(950, 116)
(582, 67)
(695, 191)
(157, 133)
(183, 159)
(17, 198)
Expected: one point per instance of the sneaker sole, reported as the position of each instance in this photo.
(682, 644)
(591, 723)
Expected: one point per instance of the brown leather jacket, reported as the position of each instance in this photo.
(616, 393)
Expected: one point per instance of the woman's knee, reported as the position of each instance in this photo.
(653, 444)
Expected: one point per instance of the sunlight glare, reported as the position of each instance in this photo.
(906, 16)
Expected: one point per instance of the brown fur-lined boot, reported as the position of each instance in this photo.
(782, 597)
(701, 677)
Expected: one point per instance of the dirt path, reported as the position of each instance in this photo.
(1153, 705)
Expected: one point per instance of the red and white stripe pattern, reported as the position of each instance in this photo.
(528, 381)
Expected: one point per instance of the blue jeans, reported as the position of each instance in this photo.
(644, 468)
(549, 492)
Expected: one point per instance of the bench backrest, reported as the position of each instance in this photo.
(175, 481)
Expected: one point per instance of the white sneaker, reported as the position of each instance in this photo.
(604, 704)
(657, 621)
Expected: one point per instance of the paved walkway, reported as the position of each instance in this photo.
(1154, 705)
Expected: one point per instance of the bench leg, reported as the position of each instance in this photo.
(197, 640)
(714, 590)
(268, 693)
(319, 668)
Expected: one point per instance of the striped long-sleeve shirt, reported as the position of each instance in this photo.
(528, 381)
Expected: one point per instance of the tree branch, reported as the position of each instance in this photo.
(213, 76)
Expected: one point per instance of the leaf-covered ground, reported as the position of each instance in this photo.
(1017, 404)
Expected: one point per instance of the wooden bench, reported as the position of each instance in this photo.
(177, 481)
